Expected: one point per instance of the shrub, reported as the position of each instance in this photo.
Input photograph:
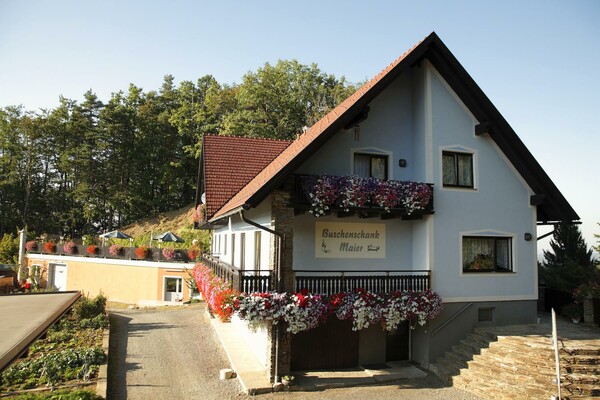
(31, 245)
(80, 394)
(9, 249)
(70, 248)
(141, 252)
(49, 247)
(87, 308)
(92, 249)
(115, 250)
(98, 322)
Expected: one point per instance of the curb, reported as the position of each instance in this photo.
(102, 384)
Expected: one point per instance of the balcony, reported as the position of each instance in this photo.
(366, 197)
(246, 281)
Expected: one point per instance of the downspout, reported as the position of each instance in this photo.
(279, 240)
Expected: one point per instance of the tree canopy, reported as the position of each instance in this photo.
(88, 166)
(569, 263)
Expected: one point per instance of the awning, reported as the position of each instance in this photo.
(26, 317)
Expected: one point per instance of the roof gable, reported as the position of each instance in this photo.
(552, 204)
(228, 163)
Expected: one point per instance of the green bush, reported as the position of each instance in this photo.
(99, 321)
(60, 395)
(87, 308)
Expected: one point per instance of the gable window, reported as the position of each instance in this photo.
(487, 254)
(457, 169)
(371, 165)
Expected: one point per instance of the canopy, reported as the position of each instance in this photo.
(115, 235)
(168, 237)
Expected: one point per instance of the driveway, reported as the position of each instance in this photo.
(173, 353)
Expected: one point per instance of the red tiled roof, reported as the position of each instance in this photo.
(230, 162)
(300, 144)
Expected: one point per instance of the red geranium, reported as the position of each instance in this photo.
(49, 247)
(141, 252)
(92, 249)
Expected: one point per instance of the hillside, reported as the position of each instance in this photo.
(177, 221)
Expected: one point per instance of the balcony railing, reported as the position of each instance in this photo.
(330, 282)
(302, 203)
(246, 281)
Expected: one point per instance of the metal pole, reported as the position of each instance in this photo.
(556, 358)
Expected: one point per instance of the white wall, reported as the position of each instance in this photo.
(499, 204)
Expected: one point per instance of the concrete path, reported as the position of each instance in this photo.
(170, 353)
(174, 353)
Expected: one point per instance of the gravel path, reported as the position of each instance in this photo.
(173, 353)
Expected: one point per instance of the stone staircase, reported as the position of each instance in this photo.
(517, 362)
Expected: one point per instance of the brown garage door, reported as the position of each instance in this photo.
(332, 345)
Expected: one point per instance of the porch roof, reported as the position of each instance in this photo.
(551, 204)
(26, 317)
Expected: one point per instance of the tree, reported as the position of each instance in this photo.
(570, 263)
(278, 101)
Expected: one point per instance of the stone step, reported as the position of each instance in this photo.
(581, 369)
(583, 389)
(520, 362)
(581, 360)
(587, 379)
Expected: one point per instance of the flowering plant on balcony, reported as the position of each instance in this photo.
(115, 250)
(199, 214)
(141, 252)
(415, 307)
(353, 191)
(304, 311)
(70, 247)
(258, 309)
(92, 249)
(168, 253)
(31, 245)
(216, 292)
(49, 247)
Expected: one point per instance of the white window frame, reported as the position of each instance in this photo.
(490, 233)
(475, 166)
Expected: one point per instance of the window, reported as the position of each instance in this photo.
(371, 165)
(257, 250)
(487, 254)
(242, 250)
(233, 249)
(457, 169)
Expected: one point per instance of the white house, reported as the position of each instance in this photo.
(422, 119)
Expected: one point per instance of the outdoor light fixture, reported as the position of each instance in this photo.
(528, 236)
(402, 163)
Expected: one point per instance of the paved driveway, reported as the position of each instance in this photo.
(173, 353)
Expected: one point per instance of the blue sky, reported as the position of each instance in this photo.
(536, 60)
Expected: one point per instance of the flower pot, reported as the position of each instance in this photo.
(576, 320)
(287, 382)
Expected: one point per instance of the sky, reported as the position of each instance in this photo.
(537, 61)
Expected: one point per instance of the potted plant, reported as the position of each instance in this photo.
(70, 248)
(573, 311)
(141, 252)
(115, 250)
(192, 253)
(49, 247)
(168, 253)
(92, 249)
(287, 380)
(31, 245)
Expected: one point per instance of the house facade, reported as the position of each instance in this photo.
(424, 125)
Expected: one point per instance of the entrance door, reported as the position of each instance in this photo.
(173, 289)
(329, 346)
(58, 277)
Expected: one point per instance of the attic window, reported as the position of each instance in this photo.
(371, 165)
(457, 169)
